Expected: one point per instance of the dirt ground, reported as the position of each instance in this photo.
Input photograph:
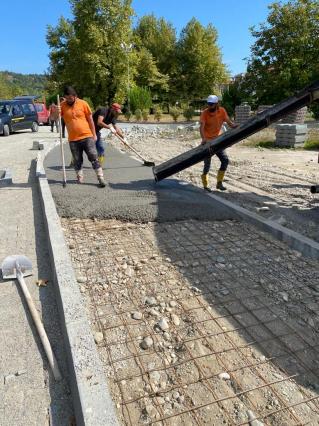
(200, 323)
(208, 323)
(273, 182)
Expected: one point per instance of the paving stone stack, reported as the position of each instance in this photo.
(290, 135)
(262, 108)
(242, 113)
(297, 117)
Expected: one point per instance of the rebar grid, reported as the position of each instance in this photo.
(101, 231)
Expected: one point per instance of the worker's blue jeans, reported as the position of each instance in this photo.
(99, 144)
(224, 161)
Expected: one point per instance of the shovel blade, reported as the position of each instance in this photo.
(12, 264)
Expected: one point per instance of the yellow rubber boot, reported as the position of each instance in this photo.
(205, 182)
(220, 178)
(101, 159)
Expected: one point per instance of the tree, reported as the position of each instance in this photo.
(236, 93)
(159, 38)
(86, 51)
(284, 57)
(148, 75)
(200, 67)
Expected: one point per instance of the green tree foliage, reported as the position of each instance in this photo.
(175, 112)
(237, 93)
(284, 57)
(86, 51)
(159, 38)
(148, 75)
(188, 113)
(140, 98)
(14, 84)
(200, 67)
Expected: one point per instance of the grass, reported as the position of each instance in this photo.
(311, 145)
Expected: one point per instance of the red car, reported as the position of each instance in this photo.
(43, 113)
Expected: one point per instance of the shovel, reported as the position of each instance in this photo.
(61, 143)
(18, 267)
(145, 162)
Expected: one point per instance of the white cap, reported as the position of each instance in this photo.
(212, 99)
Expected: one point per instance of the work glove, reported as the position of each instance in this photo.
(113, 130)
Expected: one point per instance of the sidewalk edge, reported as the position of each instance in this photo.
(93, 405)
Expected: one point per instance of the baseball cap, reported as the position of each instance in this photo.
(212, 99)
(117, 107)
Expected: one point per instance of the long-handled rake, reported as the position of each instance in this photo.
(145, 162)
(19, 266)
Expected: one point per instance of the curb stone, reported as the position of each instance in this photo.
(5, 177)
(93, 405)
(296, 241)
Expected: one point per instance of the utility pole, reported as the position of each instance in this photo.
(127, 49)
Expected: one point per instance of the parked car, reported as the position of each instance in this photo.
(18, 114)
(42, 111)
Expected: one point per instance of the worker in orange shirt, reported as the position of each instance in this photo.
(77, 116)
(211, 122)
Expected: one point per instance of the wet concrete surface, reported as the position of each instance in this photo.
(131, 193)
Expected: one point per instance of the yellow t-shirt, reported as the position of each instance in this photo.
(213, 122)
(76, 119)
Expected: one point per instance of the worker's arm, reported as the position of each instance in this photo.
(201, 130)
(91, 125)
(118, 131)
(231, 123)
(101, 123)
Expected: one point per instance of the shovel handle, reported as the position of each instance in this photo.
(61, 142)
(130, 147)
(39, 326)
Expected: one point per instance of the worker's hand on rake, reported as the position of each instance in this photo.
(113, 130)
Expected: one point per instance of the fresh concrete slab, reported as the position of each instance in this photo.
(130, 195)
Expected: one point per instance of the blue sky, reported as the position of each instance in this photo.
(24, 49)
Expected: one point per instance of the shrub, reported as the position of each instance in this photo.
(88, 100)
(138, 114)
(157, 114)
(188, 113)
(128, 115)
(145, 114)
(140, 98)
(174, 112)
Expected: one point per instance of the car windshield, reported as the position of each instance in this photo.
(4, 108)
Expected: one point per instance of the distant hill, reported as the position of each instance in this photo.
(14, 84)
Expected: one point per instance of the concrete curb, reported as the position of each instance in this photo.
(5, 177)
(296, 241)
(93, 405)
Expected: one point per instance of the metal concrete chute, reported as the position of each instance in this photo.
(251, 126)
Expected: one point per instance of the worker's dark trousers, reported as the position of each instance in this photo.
(224, 161)
(86, 145)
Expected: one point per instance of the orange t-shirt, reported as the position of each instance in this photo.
(76, 119)
(213, 122)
